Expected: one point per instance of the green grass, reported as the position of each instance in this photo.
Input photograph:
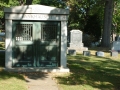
(91, 73)
(11, 81)
(86, 73)
(2, 45)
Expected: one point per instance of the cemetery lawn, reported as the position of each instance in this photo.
(91, 72)
(11, 81)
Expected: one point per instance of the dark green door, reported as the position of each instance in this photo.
(36, 44)
(48, 44)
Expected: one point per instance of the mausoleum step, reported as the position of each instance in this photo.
(39, 69)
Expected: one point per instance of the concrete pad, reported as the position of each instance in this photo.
(40, 81)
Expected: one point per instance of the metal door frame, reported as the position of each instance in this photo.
(34, 38)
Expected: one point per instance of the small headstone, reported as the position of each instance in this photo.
(115, 45)
(100, 53)
(72, 52)
(114, 53)
(86, 53)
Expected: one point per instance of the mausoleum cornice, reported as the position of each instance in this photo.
(41, 9)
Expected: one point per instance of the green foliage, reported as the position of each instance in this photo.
(11, 81)
(81, 10)
(116, 17)
(7, 3)
(54, 3)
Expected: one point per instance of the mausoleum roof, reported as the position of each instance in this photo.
(36, 9)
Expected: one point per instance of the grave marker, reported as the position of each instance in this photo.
(100, 53)
(76, 41)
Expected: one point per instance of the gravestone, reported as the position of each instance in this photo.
(72, 52)
(76, 41)
(117, 38)
(100, 53)
(86, 53)
(113, 53)
(2, 36)
(115, 45)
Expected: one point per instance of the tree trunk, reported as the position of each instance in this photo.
(29, 2)
(107, 23)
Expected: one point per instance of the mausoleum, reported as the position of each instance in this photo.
(36, 38)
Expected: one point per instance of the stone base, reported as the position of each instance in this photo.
(79, 50)
(74, 45)
(56, 70)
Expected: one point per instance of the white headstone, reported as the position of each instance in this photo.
(76, 39)
(115, 45)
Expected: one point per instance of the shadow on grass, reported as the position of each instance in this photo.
(6, 75)
(99, 49)
(19, 75)
(102, 73)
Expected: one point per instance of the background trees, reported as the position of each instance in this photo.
(86, 15)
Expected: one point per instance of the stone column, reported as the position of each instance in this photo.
(63, 44)
(8, 44)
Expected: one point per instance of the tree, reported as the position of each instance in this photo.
(80, 10)
(93, 27)
(116, 18)
(107, 23)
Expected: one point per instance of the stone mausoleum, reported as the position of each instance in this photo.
(36, 38)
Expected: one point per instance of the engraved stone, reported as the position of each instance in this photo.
(114, 53)
(76, 39)
(115, 45)
(86, 53)
(72, 52)
(100, 53)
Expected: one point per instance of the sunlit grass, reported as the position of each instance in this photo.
(2, 45)
(86, 73)
(91, 72)
(11, 81)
